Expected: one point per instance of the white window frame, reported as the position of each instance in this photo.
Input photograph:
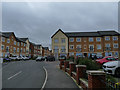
(91, 45)
(114, 38)
(18, 43)
(56, 40)
(115, 44)
(71, 39)
(62, 39)
(3, 39)
(99, 45)
(106, 38)
(8, 40)
(77, 39)
(98, 40)
(14, 42)
(91, 38)
(71, 46)
(2, 47)
(17, 49)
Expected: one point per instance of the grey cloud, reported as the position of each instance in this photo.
(39, 21)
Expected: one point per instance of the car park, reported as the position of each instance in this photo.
(106, 59)
(112, 68)
(50, 58)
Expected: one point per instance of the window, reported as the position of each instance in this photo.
(17, 49)
(18, 43)
(7, 49)
(8, 40)
(71, 46)
(78, 39)
(56, 49)
(108, 47)
(63, 40)
(3, 39)
(116, 53)
(21, 50)
(63, 49)
(71, 53)
(115, 38)
(107, 38)
(56, 40)
(90, 39)
(2, 47)
(71, 39)
(78, 48)
(21, 44)
(24, 44)
(98, 46)
(91, 47)
(98, 39)
(24, 49)
(14, 42)
(115, 45)
(14, 50)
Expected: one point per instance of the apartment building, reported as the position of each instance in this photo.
(46, 51)
(37, 50)
(11, 45)
(85, 43)
(27, 45)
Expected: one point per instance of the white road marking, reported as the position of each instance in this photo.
(45, 78)
(14, 75)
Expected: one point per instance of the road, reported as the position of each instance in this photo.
(23, 74)
(31, 74)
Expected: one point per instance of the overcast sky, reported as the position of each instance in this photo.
(39, 21)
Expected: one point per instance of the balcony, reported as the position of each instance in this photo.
(78, 49)
(107, 48)
(91, 49)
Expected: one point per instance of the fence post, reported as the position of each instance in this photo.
(80, 70)
(71, 65)
(66, 63)
(96, 80)
(61, 63)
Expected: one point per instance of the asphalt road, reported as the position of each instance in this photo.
(23, 74)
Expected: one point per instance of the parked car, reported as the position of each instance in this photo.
(62, 57)
(39, 58)
(13, 58)
(106, 59)
(50, 58)
(112, 68)
(7, 59)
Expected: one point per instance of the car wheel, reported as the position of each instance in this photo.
(117, 72)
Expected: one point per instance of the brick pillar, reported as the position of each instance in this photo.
(71, 66)
(96, 80)
(66, 63)
(61, 63)
(80, 70)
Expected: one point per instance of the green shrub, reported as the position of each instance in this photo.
(71, 58)
(90, 64)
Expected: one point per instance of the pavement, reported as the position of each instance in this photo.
(57, 78)
(31, 74)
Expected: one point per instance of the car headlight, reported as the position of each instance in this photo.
(110, 66)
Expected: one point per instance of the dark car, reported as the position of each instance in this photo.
(7, 59)
(50, 58)
(62, 57)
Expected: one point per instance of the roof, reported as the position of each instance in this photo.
(104, 33)
(82, 34)
(19, 40)
(46, 48)
(57, 32)
(24, 39)
(91, 34)
(7, 34)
